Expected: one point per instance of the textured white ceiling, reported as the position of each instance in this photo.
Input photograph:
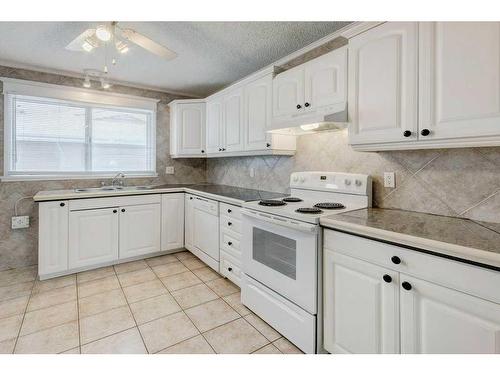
(210, 54)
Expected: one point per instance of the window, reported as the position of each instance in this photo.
(47, 136)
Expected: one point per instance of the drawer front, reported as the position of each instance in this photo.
(229, 240)
(231, 224)
(230, 268)
(231, 211)
(478, 281)
(207, 205)
(91, 203)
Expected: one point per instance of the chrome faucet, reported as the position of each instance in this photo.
(118, 175)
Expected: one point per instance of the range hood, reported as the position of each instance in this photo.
(331, 118)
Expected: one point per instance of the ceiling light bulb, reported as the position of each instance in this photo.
(103, 33)
(122, 47)
(86, 83)
(87, 46)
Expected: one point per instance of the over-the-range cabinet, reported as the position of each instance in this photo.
(380, 298)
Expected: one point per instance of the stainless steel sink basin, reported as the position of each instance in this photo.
(113, 188)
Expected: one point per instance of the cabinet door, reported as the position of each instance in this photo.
(288, 93)
(191, 128)
(435, 319)
(172, 221)
(139, 230)
(326, 80)
(205, 229)
(93, 237)
(383, 84)
(258, 111)
(188, 222)
(459, 79)
(214, 126)
(233, 121)
(360, 308)
(53, 237)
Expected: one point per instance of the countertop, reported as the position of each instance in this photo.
(463, 239)
(223, 193)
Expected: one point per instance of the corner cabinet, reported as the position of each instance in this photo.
(381, 298)
(453, 66)
(187, 128)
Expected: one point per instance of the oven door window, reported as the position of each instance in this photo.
(275, 251)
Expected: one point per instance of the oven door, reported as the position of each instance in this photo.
(281, 254)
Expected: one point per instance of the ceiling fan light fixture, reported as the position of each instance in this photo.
(103, 33)
(87, 47)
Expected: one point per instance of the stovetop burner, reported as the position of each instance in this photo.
(291, 199)
(271, 202)
(329, 205)
(308, 210)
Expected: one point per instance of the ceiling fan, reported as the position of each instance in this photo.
(113, 34)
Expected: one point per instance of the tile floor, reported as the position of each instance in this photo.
(168, 304)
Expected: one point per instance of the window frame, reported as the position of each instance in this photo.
(83, 98)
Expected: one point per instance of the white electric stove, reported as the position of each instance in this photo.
(281, 248)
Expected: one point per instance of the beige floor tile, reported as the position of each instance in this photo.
(72, 351)
(98, 286)
(9, 327)
(96, 274)
(206, 274)
(211, 314)
(193, 263)
(164, 259)
(184, 255)
(130, 266)
(106, 323)
(223, 287)
(13, 306)
(154, 308)
(53, 340)
(180, 281)
(169, 269)
(17, 275)
(146, 290)
(268, 349)
(286, 347)
(235, 337)
(49, 317)
(101, 302)
(58, 282)
(136, 277)
(269, 332)
(234, 301)
(164, 332)
(195, 345)
(52, 297)
(16, 290)
(194, 295)
(7, 347)
(126, 342)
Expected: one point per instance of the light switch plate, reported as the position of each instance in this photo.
(389, 179)
(19, 222)
(169, 170)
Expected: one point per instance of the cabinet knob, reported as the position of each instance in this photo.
(229, 269)
(62, 204)
(396, 260)
(123, 210)
(202, 151)
(223, 149)
(268, 145)
(406, 133)
(425, 132)
(307, 104)
(387, 278)
(115, 211)
(220, 149)
(406, 285)
(229, 210)
(299, 106)
(229, 243)
(229, 223)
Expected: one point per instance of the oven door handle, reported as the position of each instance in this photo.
(293, 224)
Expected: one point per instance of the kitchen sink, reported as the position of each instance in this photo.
(113, 188)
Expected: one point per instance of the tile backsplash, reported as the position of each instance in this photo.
(452, 182)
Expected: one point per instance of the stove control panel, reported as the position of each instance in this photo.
(332, 181)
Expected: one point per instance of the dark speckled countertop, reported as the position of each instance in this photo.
(465, 239)
(234, 192)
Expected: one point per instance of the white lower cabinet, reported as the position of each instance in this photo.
(230, 237)
(93, 237)
(381, 298)
(172, 221)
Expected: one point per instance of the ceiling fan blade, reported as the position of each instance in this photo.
(76, 44)
(148, 44)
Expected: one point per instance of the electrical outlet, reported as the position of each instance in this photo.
(169, 170)
(19, 222)
(389, 179)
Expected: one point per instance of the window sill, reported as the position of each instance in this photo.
(14, 178)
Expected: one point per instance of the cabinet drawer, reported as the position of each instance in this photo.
(478, 281)
(207, 205)
(87, 204)
(230, 268)
(230, 243)
(234, 212)
(231, 224)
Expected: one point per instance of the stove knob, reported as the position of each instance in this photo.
(358, 183)
(347, 182)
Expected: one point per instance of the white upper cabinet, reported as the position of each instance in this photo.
(215, 130)
(257, 113)
(187, 128)
(288, 92)
(383, 84)
(233, 121)
(459, 80)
